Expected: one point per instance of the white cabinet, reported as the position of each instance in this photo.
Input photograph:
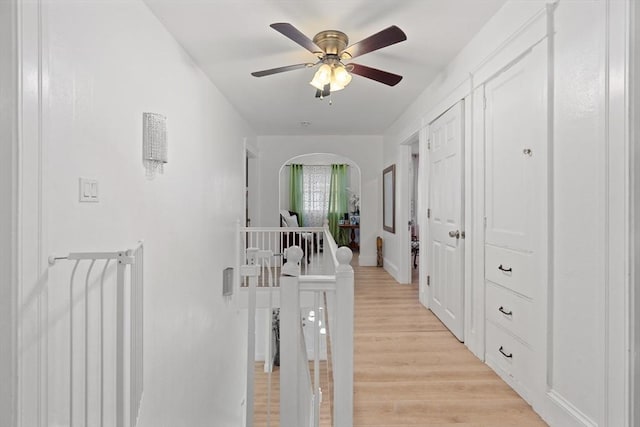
(512, 269)
(511, 359)
(515, 124)
(510, 311)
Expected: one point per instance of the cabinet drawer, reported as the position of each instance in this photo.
(510, 311)
(511, 359)
(511, 269)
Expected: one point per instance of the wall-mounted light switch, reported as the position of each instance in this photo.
(88, 190)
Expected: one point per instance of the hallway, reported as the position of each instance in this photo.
(410, 371)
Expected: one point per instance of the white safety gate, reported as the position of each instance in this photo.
(105, 296)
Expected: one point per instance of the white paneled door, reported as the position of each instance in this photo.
(445, 252)
(515, 135)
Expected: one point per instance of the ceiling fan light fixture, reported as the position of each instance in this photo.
(322, 77)
(331, 48)
(334, 87)
(341, 76)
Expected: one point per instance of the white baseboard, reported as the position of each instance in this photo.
(367, 260)
(556, 410)
(391, 268)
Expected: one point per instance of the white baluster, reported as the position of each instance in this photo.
(252, 271)
(343, 340)
(290, 337)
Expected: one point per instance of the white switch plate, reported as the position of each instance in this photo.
(88, 190)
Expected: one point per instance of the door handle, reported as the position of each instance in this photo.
(455, 234)
(504, 353)
(506, 270)
(506, 313)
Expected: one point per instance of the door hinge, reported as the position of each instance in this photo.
(484, 102)
(428, 146)
(429, 213)
(485, 222)
(428, 280)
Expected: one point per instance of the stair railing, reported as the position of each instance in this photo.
(317, 275)
(295, 396)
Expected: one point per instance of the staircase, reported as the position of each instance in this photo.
(313, 384)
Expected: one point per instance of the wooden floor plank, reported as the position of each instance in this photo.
(410, 370)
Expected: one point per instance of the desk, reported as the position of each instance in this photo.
(353, 227)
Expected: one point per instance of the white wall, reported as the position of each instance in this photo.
(586, 293)
(105, 63)
(365, 151)
(8, 108)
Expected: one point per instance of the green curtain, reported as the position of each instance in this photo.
(338, 202)
(296, 192)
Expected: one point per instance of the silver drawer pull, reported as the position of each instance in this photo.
(507, 355)
(506, 313)
(505, 269)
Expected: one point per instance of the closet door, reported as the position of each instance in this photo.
(515, 148)
(446, 246)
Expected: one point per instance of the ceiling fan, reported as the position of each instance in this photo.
(330, 46)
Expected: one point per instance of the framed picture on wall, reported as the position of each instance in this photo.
(389, 199)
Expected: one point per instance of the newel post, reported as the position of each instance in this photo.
(290, 338)
(343, 339)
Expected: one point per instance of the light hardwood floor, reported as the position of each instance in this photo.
(410, 370)
(262, 416)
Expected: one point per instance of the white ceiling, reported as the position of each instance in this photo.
(231, 38)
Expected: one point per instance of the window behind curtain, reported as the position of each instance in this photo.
(316, 180)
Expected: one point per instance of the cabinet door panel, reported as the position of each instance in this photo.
(510, 311)
(511, 359)
(516, 107)
(514, 270)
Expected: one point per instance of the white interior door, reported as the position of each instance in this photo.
(445, 250)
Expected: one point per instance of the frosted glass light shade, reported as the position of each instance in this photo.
(341, 76)
(322, 77)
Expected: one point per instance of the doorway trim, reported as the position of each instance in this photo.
(403, 208)
(634, 206)
(30, 225)
(249, 152)
(9, 213)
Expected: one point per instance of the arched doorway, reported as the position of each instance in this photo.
(316, 165)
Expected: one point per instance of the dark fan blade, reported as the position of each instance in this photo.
(294, 34)
(280, 70)
(325, 92)
(375, 74)
(384, 38)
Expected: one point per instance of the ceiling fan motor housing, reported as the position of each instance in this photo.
(332, 42)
